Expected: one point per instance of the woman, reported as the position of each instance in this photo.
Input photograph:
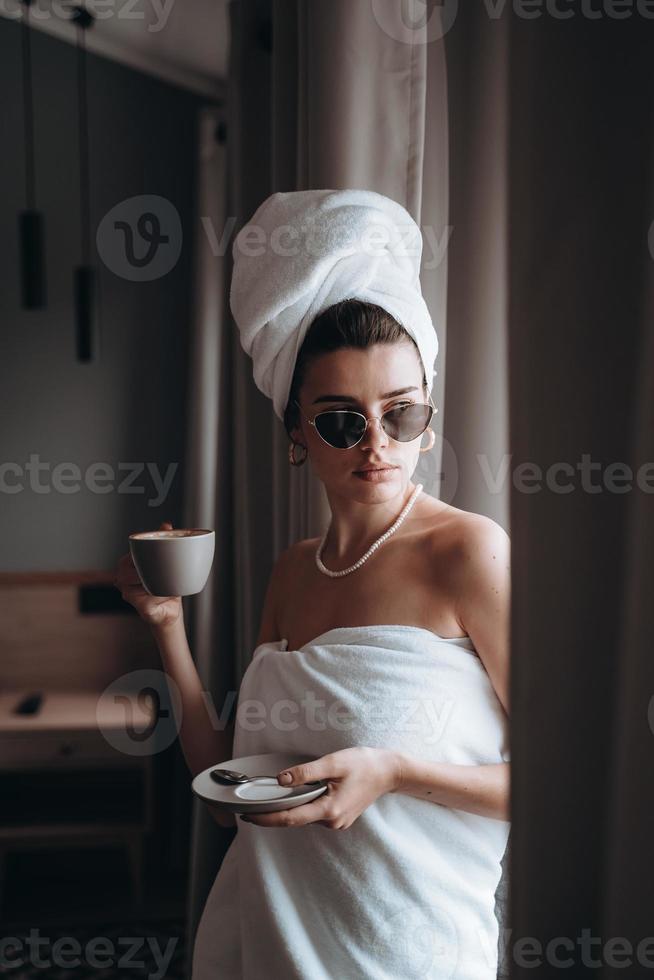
(365, 618)
(443, 570)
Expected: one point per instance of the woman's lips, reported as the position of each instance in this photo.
(376, 476)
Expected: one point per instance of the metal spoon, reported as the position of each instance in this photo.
(231, 776)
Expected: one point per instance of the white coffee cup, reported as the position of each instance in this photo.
(173, 562)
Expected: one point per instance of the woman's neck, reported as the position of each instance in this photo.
(354, 526)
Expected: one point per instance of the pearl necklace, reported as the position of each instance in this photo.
(373, 547)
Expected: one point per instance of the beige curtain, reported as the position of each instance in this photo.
(207, 495)
(476, 448)
(476, 423)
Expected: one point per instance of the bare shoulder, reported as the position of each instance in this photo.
(479, 556)
(482, 573)
(457, 530)
(480, 534)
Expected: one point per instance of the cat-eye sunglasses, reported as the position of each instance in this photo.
(345, 428)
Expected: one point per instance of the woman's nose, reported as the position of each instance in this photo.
(375, 434)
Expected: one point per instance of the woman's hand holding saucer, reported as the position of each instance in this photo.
(356, 777)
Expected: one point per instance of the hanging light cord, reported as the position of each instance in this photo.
(28, 108)
(83, 20)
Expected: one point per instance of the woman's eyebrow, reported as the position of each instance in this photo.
(350, 398)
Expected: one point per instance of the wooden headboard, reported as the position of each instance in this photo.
(68, 631)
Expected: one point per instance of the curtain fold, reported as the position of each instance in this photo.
(628, 895)
(581, 355)
(207, 495)
(473, 276)
(476, 407)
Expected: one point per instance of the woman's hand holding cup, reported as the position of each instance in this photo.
(161, 611)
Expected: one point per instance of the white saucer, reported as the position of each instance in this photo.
(264, 795)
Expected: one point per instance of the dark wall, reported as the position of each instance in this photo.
(129, 406)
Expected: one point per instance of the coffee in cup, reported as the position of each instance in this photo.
(174, 562)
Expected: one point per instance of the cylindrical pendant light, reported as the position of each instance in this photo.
(84, 274)
(30, 221)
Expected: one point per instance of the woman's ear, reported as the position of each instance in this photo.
(297, 436)
(294, 428)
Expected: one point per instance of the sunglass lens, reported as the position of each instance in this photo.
(340, 429)
(407, 422)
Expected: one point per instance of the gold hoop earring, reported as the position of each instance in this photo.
(432, 440)
(291, 454)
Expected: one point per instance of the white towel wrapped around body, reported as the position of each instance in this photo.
(408, 890)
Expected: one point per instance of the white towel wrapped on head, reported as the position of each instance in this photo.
(303, 251)
(408, 890)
